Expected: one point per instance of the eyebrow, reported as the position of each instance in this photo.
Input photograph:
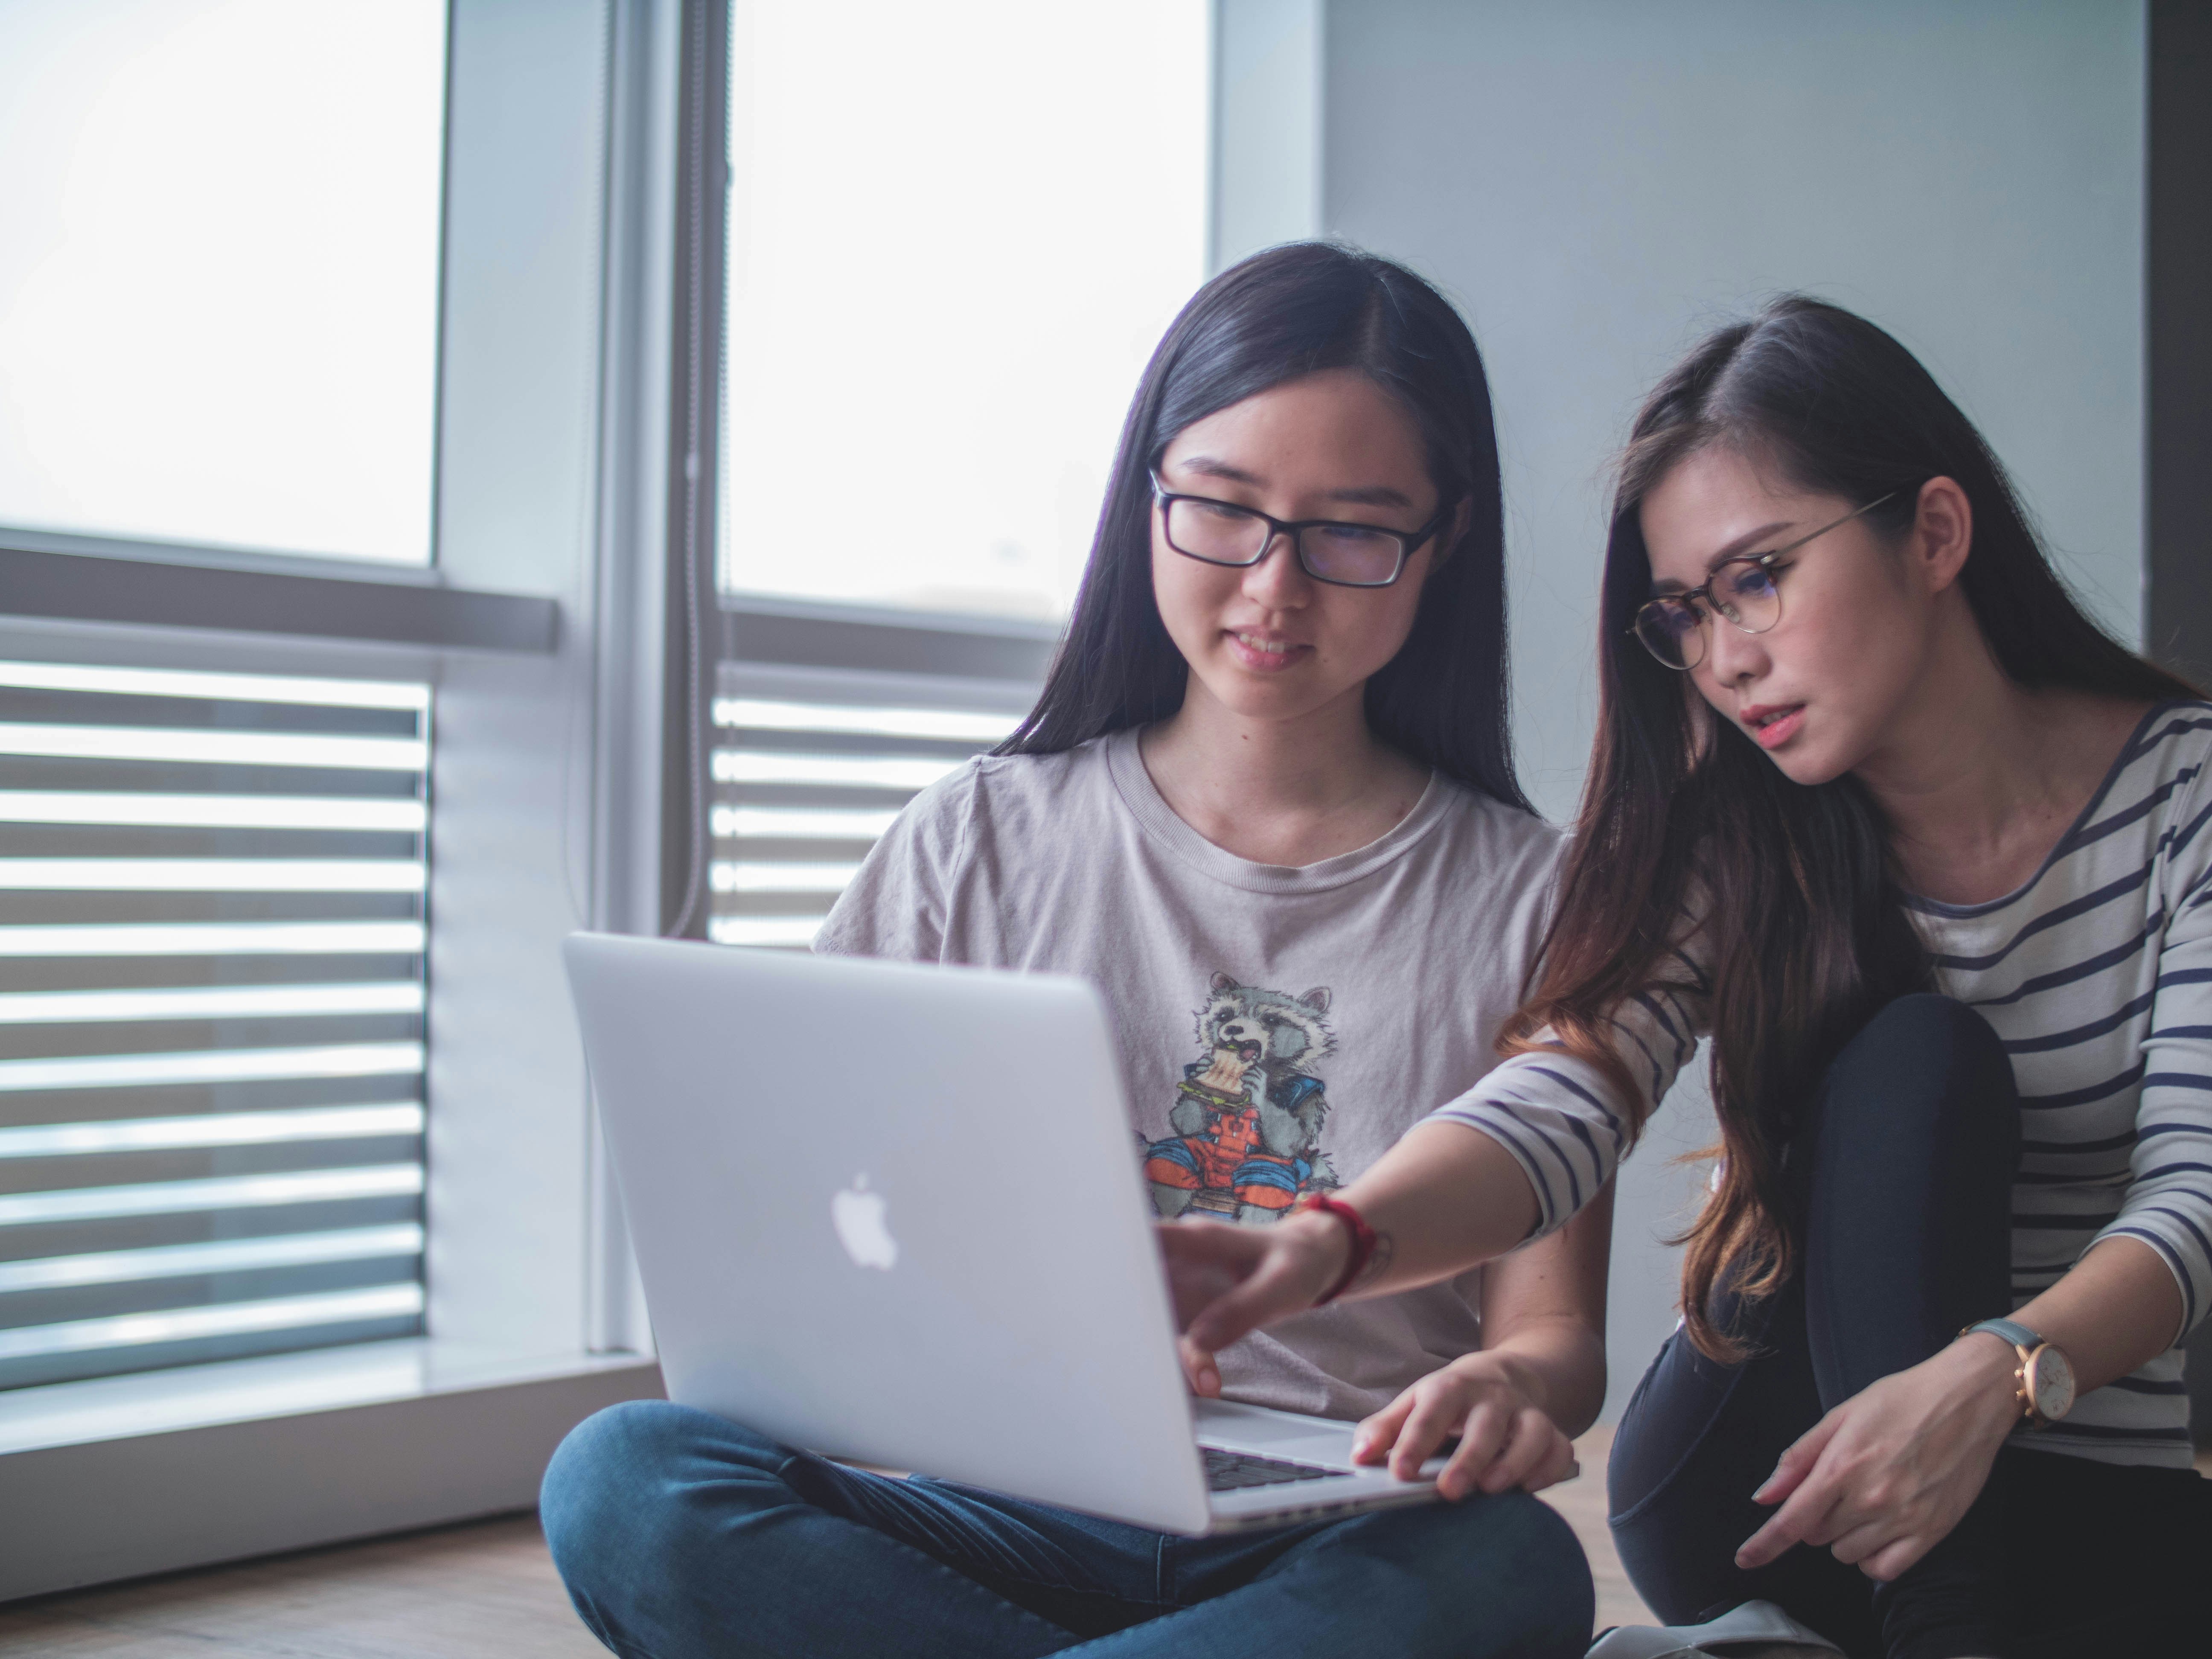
(1368, 496)
(1735, 549)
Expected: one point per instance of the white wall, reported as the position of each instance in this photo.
(1597, 182)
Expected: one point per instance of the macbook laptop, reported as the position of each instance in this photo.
(892, 1213)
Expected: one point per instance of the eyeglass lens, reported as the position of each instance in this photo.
(1346, 553)
(1673, 630)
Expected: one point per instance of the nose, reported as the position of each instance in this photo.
(1278, 581)
(1733, 658)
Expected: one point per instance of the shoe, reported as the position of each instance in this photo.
(1756, 1630)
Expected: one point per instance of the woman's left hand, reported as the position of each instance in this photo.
(1505, 1438)
(1884, 1477)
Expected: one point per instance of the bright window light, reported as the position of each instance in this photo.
(211, 1066)
(55, 1272)
(780, 931)
(951, 724)
(208, 939)
(799, 823)
(209, 1002)
(956, 231)
(219, 279)
(212, 811)
(224, 1319)
(748, 878)
(842, 771)
(132, 743)
(226, 688)
(212, 876)
(164, 1134)
(220, 1192)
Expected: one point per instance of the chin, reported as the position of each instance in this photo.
(1810, 766)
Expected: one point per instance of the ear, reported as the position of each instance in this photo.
(1221, 983)
(1316, 999)
(1942, 533)
(1448, 539)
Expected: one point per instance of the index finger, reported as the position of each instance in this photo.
(1788, 1526)
(1274, 1289)
(1200, 1368)
(1203, 1261)
(1379, 1432)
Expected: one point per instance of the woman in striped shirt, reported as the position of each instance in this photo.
(1928, 856)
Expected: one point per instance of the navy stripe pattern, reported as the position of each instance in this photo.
(2097, 976)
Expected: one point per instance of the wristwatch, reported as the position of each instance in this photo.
(2045, 1375)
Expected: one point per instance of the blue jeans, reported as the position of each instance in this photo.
(682, 1535)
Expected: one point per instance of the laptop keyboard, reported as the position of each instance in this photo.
(1227, 1471)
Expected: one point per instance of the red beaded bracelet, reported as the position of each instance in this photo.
(1362, 1238)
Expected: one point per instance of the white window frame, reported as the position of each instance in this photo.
(541, 629)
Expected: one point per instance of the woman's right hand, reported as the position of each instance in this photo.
(1228, 1280)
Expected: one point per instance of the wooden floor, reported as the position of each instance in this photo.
(483, 1591)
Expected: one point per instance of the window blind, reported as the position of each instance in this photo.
(809, 768)
(212, 897)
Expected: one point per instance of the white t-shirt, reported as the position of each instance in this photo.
(1279, 1028)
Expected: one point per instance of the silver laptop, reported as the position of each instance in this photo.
(893, 1214)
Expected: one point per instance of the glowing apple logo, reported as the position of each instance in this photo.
(858, 1216)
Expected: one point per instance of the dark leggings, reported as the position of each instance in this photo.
(1910, 1164)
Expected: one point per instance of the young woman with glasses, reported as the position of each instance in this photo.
(1266, 804)
(1928, 857)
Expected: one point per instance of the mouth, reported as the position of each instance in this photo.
(1248, 1052)
(1772, 725)
(1265, 651)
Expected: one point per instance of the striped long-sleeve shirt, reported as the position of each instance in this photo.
(2097, 976)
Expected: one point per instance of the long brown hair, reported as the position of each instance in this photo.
(1799, 921)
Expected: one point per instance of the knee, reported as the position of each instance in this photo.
(1513, 1563)
(604, 1470)
(1930, 1058)
(1929, 1022)
(614, 1489)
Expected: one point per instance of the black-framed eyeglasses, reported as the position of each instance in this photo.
(1742, 589)
(1329, 550)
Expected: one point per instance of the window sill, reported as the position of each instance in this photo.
(125, 1476)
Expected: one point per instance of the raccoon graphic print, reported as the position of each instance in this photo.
(1248, 1114)
(1278, 1028)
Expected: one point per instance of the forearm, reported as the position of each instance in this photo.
(2115, 1308)
(1446, 1197)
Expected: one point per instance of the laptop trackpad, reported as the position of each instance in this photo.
(1271, 1433)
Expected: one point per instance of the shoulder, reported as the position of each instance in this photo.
(2164, 774)
(2171, 737)
(1009, 790)
(2174, 738)
(1000, 781)
(1510, 841)
(995, 803)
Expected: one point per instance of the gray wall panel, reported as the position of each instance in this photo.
(1596, 183)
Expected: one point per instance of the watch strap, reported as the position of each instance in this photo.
(2011, 1330)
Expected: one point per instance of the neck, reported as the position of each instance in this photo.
(1280, 791)
(1979, 776)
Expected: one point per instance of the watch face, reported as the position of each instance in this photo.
(2050, 1381)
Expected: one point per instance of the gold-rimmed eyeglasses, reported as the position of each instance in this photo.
(1742, 589)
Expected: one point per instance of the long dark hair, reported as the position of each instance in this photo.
(1290, 312)
(1802, 923)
